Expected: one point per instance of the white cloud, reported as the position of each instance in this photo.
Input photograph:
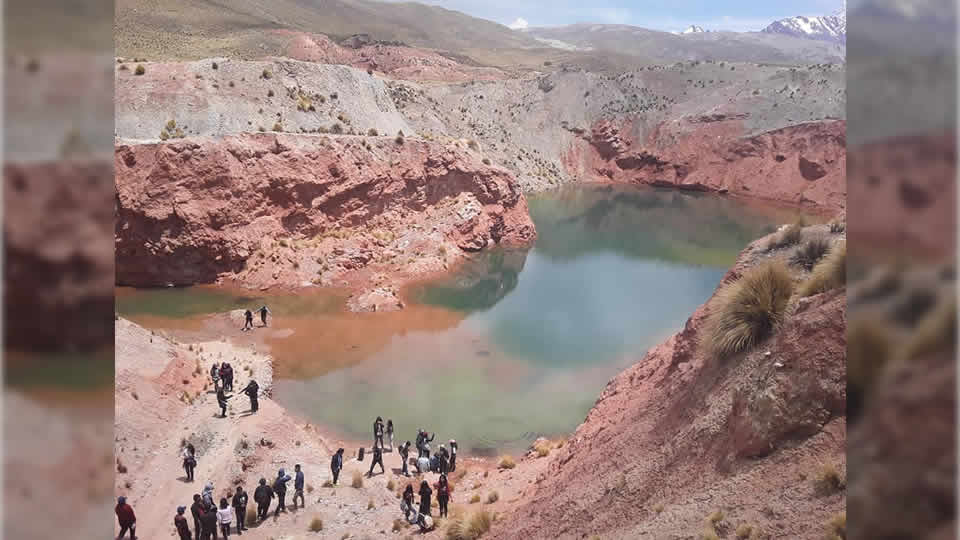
(519, 24)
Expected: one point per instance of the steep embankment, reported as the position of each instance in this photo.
(681, 434)
(287, 210)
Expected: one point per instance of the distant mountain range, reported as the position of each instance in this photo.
(825, 27)
(692, 29)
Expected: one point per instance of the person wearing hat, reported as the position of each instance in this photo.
(126, 518)
(180, 522)
(262, 496)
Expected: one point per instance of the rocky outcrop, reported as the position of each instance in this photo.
(680, 434)
(287, 210)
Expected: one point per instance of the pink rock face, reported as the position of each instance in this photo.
(285, 210)
(803, 165)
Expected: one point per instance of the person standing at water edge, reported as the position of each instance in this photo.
(390, 433)
(195, 510)
(404, 452)
(425, 493)
(126, 518)
(336, 464)
(443, 494)
(407, 504)
(377, 459)
(280, 488)
(298, 486)
(240, 508)
(248, 320)
(180, 522)
(251, 391)
(378, 432)
(263, 314)
(262, 495)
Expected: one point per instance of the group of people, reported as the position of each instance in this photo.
(222, 376)
(248, 318)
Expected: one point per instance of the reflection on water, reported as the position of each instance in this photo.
(514, 344)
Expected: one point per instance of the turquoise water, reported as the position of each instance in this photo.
(528, 339)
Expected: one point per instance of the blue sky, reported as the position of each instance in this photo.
(667, 15)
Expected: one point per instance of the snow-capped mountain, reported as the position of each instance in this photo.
(825, 27)
(693, 29)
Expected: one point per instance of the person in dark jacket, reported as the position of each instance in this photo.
(378, 432)
(280, 488)
(263, 495)
(189, 460)
(195, 510)
(404, 451)
(336, 464)
(226, 373)
(222, 402)
(298, 485)
(422, 441)
(215, 375)
(126, 518)
(180, 522)
(408, 501)
(239, 504)
(377, 459)
(251, 390)
(390, 433)
(264, 310)
(425, 493)
(443, 460)
(208, 522)
(453, 455)
(248, 320)
(443, 494)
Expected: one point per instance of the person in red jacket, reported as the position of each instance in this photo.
(126, 518)
(180, 522)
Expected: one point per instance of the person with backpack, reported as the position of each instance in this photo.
(263, 495)
(263, 314)
(280, 488)
(189, 460)
(425, 493)
(208, 522)
(215, 376)
(126, 518)
(390, 433)
(180, 523)
(251, 390)
(336, 464)
(377, 460)
(222, 402)
(378, 432)
(443, 494)
(404, 452)
(225, 517)
(208, 495)
(196, 509)
(298, 482)
(239, 504)
(248, 320)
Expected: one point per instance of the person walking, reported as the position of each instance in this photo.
(390, 433)
(180, 522)
(377, 459)
(251, 390)
(298, 482)
(195, 510)
(225, 517)
(404, 452)
(378, 432)
(222, 402)
(189, 460)
(126, 518)
(239, 503)
(248, 320)
(336, 464)
(425, 493)
(443, 494)
(215, 376)
(263, 314)
(453, 455)
(208, 522)
(263, 495)
(280, 488)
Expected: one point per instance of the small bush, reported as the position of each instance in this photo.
(397, 525)
(745, 312)
(391, 485)
(463, 528)
(475, 499)
(328, 484)
(277, 127)
(336, 129)
(266, 74)
(837, 226)
(372, 132)
(829, 480)
(316, 525)
(787, 237)
(837, 526)
(357, 481)
(709, 535)
(251, 517)
(542, 448)
(140, 70)
(829, 273)
(370, 505)
(399, 139)
(493, 497)
(486, 161)
(715, 517)
(215, 66)
(164, 135)
(810, 253)
(744, 531)
(658, 508)
(269, 93)
(507, 462)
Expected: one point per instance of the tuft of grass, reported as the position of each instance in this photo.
(251, 517)
(744, 531)
(746, 311)
(391, 485)
(372, 132)
(837, 526)
(486, 161)
(709, 535)
(787, 237)
(837, 226)
(327, 484)
(397, 525)
(336, 129)
(475, 499)
(829, 480)
(658, 508)
(399, 139)
(493, 497)
(542, 448)
(370, 505)
(469, 528)
(715, 517)
(507, 462)
(810, 253)
(266, 74)
(215, 66)
(316, 525)
(140, 70)
(357, 481)
(830, 273)
(277, 127)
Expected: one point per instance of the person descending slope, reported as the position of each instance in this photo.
(189, 460)
(251, 390)
(208, 522)
(263, 495)
(215, 376)
(226, 375)
(247, 320)
(404, 452)
(298, 481)
(263, 314)
(453, 455)
(377, 460)
(336, 464)
(180, 523)
(208, 495)
(409, 512)
(390, 433)
(126, 518)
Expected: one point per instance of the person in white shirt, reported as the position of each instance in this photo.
(225, 518)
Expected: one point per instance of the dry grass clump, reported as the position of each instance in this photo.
(399, 139)
(829, 480)
(140, 70)
(869, 348)
(357, 481)
(542, 448)
(251, 517)
(372, 132)
(266, 74)
(397, 525)
(475, 499)
(709, 535)
(715, 518)
(329, 483)
(746, 311)
(370, 505)
(829, 273)
(837, 526)
(787, 237)
(837, 226)
(810, 253)
(493, 497)
(336, 129)
(316, 525)
(463, 528)
(744, 531)
(391, 485)
(507, 462)
(277, 127)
